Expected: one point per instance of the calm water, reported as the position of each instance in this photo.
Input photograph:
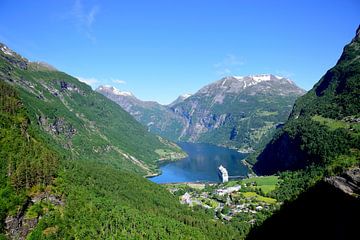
(202, 164)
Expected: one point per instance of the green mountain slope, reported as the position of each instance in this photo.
(324, 126)
(82, 121)
(320, 144)
(26, 160)
(72, 164)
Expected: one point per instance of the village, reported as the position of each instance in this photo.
(231, 199)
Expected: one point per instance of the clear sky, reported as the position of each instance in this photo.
(160, 49)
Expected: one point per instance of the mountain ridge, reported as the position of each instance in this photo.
(207, 117)
(60, 104)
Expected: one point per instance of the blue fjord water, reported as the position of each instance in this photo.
(201, 164)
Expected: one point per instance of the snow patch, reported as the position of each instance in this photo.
(115, 91)
(261, 78)
(6, 51)
(239, 77)
(186, 95)
(121, 93)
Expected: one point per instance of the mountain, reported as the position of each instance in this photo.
(72, 164)
(80, 120)
(155, 117)
(323, 126)
(180, 99)
(239, 112)
(319, 144)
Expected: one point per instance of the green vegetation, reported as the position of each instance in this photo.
(26, 160)
(60, 139)
(252, 120)
(103, 202)
(240, 205)
(322, 136)
(84, 123)
(258, 197)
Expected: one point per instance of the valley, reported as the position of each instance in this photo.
(247, 156)
(235, 112)
(241, 202)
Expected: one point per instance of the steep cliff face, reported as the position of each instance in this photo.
(238, 112)
(329, 210)
(324, 123)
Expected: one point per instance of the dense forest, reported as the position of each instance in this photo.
(26, 161)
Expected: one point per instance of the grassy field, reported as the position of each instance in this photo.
(259, 198)
(331, 123)
(266, 184)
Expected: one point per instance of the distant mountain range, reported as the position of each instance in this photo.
(237, 112)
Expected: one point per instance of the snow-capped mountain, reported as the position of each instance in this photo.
(235, 111)
(254, 84)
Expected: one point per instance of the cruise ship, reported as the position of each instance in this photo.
(223, 173)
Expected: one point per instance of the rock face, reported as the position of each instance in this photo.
(329, 210)
(12, 57)
(238, 112)
(349, 182)
(19, 226)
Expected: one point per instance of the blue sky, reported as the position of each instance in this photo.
(160, 49)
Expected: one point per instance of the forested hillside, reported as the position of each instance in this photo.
(324, 126)
(26, 159)
(73, 164)
(80, 120)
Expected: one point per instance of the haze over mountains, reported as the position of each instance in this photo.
(239, 112)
